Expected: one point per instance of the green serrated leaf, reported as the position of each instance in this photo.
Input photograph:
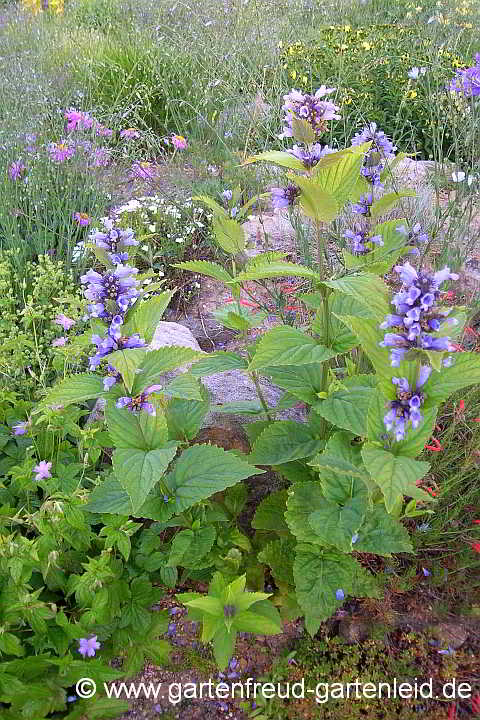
(366, 289)
(275, 269)
(319, 574)
(185, 386)
(465, 371)
(138, 471)
(139, 431)
(229, 234)
(145, 315)
(126, 363)
(76, 389)
(382, 534)
(396, 476)
(219, 361)
(284, 441)
(388, 201)
(348, 409)
(336, 524)
(203, 470)
(316, 202)
(210, 269)
(270, 513)
(158, 362)
(284, 159)
(285, 345)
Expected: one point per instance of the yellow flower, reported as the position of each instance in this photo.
(367, 45)
(412, 94)
(347, 28)
(304, 79)
(293, 74)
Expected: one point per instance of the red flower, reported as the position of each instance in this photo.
(476, 704)
(476, 522)
(476, 547)
(436, 447)
(461, 405)
(431, 491)
(452, 713)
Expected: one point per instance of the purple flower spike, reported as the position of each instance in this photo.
(311, 108)
(340, 595)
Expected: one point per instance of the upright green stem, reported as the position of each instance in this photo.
(260, 394)
(320, 249)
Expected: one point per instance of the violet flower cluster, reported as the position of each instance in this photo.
(415, 236)
(405, 409)
(284, 197)
(312, 155)
(112, 293)
(417, 318)
(467, 81)
(381, 150)
(310, 108)
(361, 243)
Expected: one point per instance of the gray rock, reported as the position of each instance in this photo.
(172, 333)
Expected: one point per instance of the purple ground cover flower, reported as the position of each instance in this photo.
(284, 197)
(59, 152)
(227, 195)
(16, 170)
(100, 157)
(310, 108)
(340, 595)
(88, 646)
(416, 316)
(65, 322)
(60, 342)
(467, 81)
(405, 409)
(42, 470)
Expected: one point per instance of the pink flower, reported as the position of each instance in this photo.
(179, 142)
(64, 321)
(82, 219)
(143, 171)
(129, 134)
(42, 470)
(16, 170)
(60, 342)
(59, 152)
(76, 120)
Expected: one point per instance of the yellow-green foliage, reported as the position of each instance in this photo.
(29, 304)
(370, 65)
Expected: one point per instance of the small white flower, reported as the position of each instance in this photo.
(144, 248)
(152, 227)
(413, 73)
(458, 176)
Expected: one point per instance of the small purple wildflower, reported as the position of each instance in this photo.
(142, 171)
(88, 646)
(65, 322)
(59, 152)
(60, 342)
(426, 572)
(227, 195)
(42, 470)
(467, 81)
(82, 218)
(340, 595)
(405, 409)
(16, 170)
(20, 428)
(311, 156)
